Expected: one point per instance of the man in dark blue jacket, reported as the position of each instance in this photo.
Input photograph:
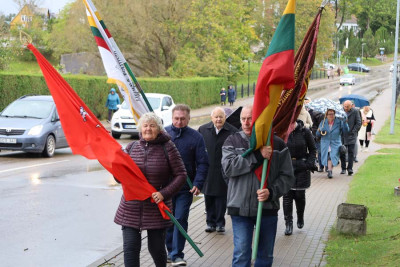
(193, 151)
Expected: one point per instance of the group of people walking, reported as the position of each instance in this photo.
(231, 95)
(180, 162)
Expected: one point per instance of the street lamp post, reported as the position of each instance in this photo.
(248, 74)
(362, 52)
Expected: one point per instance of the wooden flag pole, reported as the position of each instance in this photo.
(260, 203)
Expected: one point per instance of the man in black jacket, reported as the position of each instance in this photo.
(349, 139)
(215, 188)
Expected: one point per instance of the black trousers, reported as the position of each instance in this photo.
(132, 240)
(350, 158)
(215, 208)
(299, 197)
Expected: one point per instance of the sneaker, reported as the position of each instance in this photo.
(169, 259)
(350, 172)
(179, 262)
(220, 229)
(210, 229)
(343, 172)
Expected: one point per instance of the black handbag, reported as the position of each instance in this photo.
(342, 149)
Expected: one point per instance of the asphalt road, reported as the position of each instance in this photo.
(60, 211)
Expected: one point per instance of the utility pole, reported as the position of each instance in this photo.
(395, 71)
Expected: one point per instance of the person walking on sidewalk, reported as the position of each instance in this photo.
(365, 133)
(330, 131)
(111, 103)
(215, 188)
(317, 117)
(159, 160)
(244, 191)
(350, 138)
(231, 95)
(192, 149)
(222, 93)
(303, 152)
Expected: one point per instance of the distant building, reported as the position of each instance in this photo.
(25, 16)
(350, 24)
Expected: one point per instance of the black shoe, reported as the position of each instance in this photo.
(320, 170)
(343, 172)
(330, 174)
(220, 229)
(300, 223)
(289, 228)
(356, 160)
(210, 229)
(350, 172)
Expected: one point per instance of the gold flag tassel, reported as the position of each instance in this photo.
(25, 38)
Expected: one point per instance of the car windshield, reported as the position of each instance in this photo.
(154, 102)
(28, 109)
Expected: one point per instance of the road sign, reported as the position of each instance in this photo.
(358, 59)
(339, 52)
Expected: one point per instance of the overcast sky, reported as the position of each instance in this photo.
(9, 6)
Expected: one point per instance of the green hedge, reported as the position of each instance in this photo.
(196, 92)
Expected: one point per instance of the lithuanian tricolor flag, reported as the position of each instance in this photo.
(116, 67)
(276, 74)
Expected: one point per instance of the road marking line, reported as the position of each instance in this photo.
(36, 165)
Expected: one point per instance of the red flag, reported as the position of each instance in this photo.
(87, 137)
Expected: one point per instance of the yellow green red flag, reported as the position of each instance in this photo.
(276, 74)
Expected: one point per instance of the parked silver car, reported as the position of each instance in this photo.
(31, 124)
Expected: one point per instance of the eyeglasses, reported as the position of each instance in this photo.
(331, 114)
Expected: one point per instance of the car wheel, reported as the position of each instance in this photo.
(116, 135)
(49, 147)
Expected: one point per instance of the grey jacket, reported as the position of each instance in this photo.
(243, 182)
(354, 122)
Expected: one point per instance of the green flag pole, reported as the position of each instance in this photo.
(189, 182)
(138, 86)
(183, 232)
(260, 203)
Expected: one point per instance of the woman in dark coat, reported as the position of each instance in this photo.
(302, 149)
(215, 188)
(231, 95)
(222, 93)
(159, 160)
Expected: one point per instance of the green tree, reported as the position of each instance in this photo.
(354, 49)
(70, 32)
(371, 46)
(219, 36)
(374, 14)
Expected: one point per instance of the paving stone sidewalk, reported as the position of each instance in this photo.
(305, 247)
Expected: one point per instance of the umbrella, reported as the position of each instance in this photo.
(322, 104)
(234, 117)
(359, 100)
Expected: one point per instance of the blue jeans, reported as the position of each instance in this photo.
(243, 228)
(175, 241)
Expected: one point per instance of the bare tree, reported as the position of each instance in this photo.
(22, 3)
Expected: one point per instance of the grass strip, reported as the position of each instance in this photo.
(372, 186)
(384, 136)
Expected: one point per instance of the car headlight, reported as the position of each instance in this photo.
(35, 130)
